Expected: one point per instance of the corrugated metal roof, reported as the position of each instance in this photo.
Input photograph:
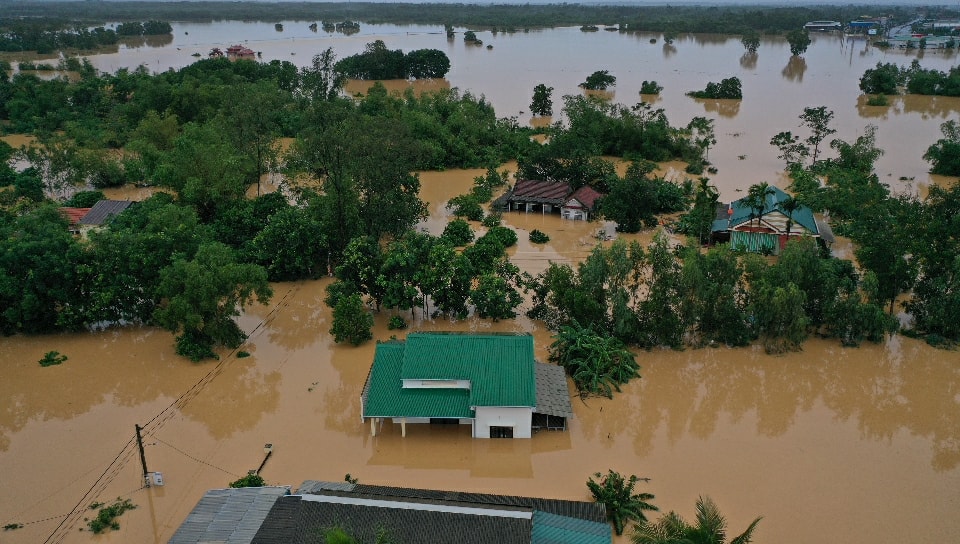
(587, 196)
(553, 393)
(387, 398)
(103, 210)
(317, 486)
(231, 516)
(500, 367)
(743, 213)
(553, 529)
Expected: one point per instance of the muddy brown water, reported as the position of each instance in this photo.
(859, 444)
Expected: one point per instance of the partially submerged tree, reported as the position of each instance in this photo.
(710, 527)
(616, 493)
(599, 81)
(542, 103)
(799, 40)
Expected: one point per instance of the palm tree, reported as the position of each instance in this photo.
(757, 199)
(789, 205)
(616, 493)
(710, 528)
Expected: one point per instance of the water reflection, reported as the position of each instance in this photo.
(795, 69)
(726, 107)
(748, 61)
(669, 50)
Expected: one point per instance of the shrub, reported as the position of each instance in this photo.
(727, 88)
(492, 220)
(52, 358)
(250, 480)
(878, 100)
(650, 87)
(538, 237)
(107, 516)
(505, 235)
(397, 323)
(458, 233)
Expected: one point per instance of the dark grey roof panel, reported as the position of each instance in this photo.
(103, 210)
(316, 486)
(231, 516)
(553, 393)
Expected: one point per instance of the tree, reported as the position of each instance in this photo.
(321, 80)
(710, 528)
(632, 199)
(598, 363)
(699, 221)
(799, 40)
(714, 297)
(702, 135)
(616, 494)
(352, 322)
(750, 41)
(792, 151)
(757, 199)
(427, 63)
(542, 103)
(291, 246)
(599, 81)
(203, 295)
(494, 297)
(884, 79)
(945, 154)
(729, 88)
(650, 87)
(818, 121)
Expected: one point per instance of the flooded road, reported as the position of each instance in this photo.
(859, 444)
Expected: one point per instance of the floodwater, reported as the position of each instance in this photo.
(776, 87)
(861, 444)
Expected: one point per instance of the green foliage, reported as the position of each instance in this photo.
(52, 358)
(878, 100)
(650, 87)
(243, 354)
(729, 88)
(750, 41)
(12, 526)
(538, 237)
(506, 236)
(378, 62)
(714, 298)
(458, 233)
(600, 80)
(799, 40)
(495, 297)
(250, 480)
(397, 323)
(884, 79)
(202, 295)
(616, 493)
(598, 364)
(542, 102)
(818, 121)
(944, 155)
(84, 199)
(466, 206)
(107, 516)
(492, 220)
(710, 528)
(698, 222)
(352, 322)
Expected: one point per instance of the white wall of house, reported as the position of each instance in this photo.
(496, 416)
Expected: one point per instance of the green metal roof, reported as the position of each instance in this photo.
(554, 529)
(743, 213)
(387, 398)
(499, 367)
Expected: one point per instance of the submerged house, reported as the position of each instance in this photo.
(272, 515)
(767, 231)
(552, 197)
(488, 381)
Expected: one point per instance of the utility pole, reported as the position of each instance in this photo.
(143, 457)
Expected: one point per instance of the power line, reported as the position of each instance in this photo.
(178, 450)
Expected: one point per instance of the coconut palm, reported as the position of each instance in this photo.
(710, 528)
(616, 493)
(757, 199)
(789, 205)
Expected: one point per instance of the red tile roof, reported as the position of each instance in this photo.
(74, 215)
(587, 196)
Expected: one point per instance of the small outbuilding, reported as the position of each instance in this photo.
(551, 197)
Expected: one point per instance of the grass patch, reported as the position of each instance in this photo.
(52, 358)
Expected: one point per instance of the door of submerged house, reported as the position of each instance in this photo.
(501, 432)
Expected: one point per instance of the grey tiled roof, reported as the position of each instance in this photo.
(229, 516)
(553, 394)
(426, 516)
(103, 210)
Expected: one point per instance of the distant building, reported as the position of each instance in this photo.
(488, 381)
(747, 228)
(83, 220)
(823, 26)
(73, 216)
(240, 52)
(271, 515)
(551, 197)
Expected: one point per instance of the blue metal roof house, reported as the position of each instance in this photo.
(749, 229)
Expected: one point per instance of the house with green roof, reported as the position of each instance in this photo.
(488, 381)
(767, 230)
